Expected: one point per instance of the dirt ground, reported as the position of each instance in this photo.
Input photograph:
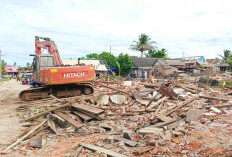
(9, 121)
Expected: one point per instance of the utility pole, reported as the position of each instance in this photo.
(183, 56)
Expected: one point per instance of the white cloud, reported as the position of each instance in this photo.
(78, 27)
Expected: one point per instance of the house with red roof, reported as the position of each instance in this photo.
(11, 70)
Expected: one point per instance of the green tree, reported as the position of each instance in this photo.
(119, 68)
(92, 55)
(229, 61)
(133, 56)
(226, 55)
(143, 44)
(3, 64)
(156, 53)
(28, 66)
(109, 58)
(125, 64)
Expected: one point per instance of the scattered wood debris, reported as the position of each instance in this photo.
(131, 118)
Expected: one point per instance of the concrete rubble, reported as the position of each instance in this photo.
(131, 118)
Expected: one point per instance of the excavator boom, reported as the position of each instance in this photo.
(49, 45)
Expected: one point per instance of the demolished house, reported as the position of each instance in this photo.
(163, 69)
(198, 65)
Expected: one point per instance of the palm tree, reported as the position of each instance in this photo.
(143, 44)
(226, 55)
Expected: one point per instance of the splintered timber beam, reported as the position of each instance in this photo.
(46, 112)
(182, 105)
(118, 90)
(214, 98)
(157, 103)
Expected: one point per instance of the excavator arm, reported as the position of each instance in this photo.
(49, 45)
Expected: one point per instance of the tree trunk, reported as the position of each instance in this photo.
(141, 54)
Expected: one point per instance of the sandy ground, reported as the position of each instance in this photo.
(9, 121)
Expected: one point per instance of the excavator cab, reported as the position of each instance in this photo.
(39, 62)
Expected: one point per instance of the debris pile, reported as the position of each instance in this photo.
(130, 118)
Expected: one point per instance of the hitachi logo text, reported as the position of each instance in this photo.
(80, 74)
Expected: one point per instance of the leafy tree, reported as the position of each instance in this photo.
(155, 53)
(229, 61)
(143, 44)
(109, 58)
(3, 64)
(226, 55)
(133, 56)
(125, 64)
(119, 68)
(28, 66)
(92, 55)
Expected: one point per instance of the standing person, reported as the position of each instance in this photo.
(18, 79)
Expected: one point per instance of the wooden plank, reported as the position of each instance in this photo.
(137, 97)
(158, 109)
(190, 90)
(152, 100)
(214, 98)
(157, 103)
(126, 141)
(160, 125)
(86, 108)
(69, 119)
(91, 115)
(121, 91)
(150, 85)
(102, 150)
(44, 127)
(182, 105)
(120, 114)
(51, 124)
(82, 115)
(57, 99)
(78, 151)
(46, 112)
(168, 92)
(220, 106)
(24, 137)
(164, 118)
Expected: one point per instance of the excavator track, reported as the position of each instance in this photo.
(60, 91)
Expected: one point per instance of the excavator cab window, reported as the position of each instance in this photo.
(46, 61)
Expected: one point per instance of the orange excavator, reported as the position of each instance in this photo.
(50, 76)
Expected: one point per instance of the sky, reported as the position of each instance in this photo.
(79, 27)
